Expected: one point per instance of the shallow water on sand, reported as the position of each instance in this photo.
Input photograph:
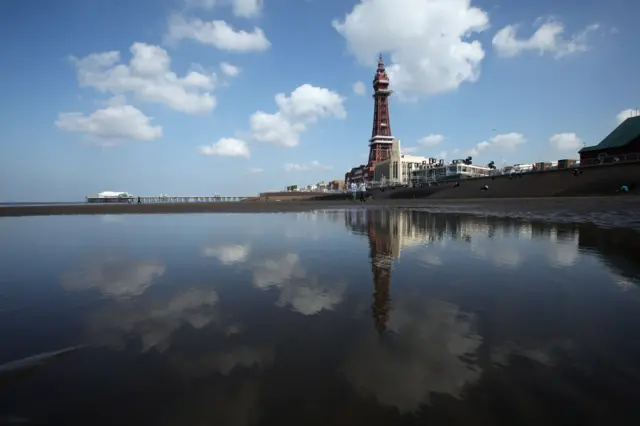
(366, 316)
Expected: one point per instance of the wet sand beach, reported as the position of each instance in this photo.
(507, 206)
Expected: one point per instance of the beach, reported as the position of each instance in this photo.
(556, 205)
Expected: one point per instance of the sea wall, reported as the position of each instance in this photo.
(287, 194)
(594, 181)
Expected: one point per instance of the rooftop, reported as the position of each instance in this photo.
(625, 133)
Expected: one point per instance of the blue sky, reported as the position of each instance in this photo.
(164, 117)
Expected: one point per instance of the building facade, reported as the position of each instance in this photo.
(397, 168)
(440, 172)
(356, 174)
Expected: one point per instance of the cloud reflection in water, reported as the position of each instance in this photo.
(114, 277)
(305, 294)
(431, 352)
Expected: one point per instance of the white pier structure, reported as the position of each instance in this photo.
(126, 198)
(164, 199)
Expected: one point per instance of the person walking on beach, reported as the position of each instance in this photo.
(354, 190)
(139, 202)
(363, 191)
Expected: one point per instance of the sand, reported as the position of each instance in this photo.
(576, 205)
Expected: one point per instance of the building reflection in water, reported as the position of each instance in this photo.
(432, 345)
(390, 231)
(447, 342)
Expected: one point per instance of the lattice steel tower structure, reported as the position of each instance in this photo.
(381, 139)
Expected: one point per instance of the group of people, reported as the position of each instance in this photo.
(360, 190)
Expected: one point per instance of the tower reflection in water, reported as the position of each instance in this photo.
(508, 301)
(390, 231)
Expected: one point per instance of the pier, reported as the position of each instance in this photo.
(188, 199)
(125, 198)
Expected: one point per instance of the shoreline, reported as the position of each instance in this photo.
(531, 205)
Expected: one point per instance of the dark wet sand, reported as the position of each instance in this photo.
(575, 205)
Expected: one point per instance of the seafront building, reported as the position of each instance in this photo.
(386, 164)
(397, 168)
(439, 172)
(622, 144)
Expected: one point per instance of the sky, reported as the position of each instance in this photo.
(233, 97)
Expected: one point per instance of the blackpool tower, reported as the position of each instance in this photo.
(381, 139)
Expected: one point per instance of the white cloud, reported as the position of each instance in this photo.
(429, 41)
(314, 165)
(111, 124)
(623, 115)
(565, 141)
(305, 105)
(505, 142)
(481, 146)
(359, 88)
(227, 147)
(309, 103)
(217, 33)
(247, 8)
(548, 38)
(431, 140)
(508, 141)
(149, 77)
(255, 170)
(275, 129)
(229, 70)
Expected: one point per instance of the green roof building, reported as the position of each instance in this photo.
(624, 140)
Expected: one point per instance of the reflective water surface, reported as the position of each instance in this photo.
(370, 316)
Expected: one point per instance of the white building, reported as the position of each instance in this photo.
(439, 172)
(396, 170)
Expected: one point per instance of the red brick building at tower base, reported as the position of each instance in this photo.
(381, 140)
